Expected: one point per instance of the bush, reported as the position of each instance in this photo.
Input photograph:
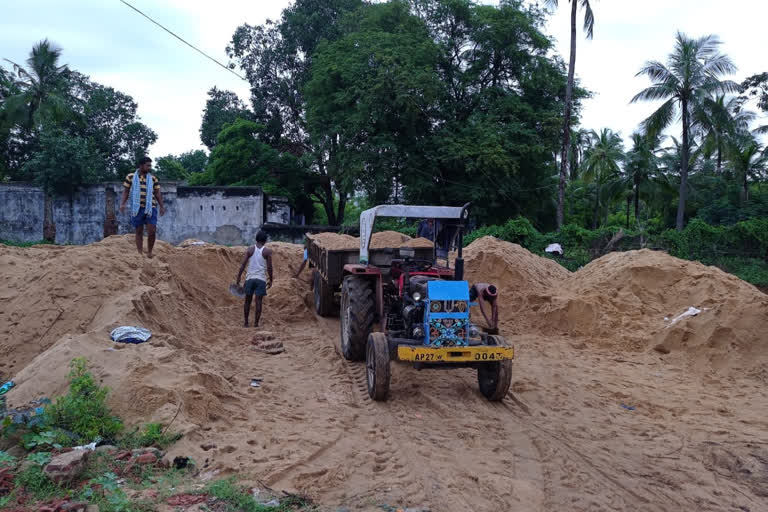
(519, 231)
(83, 410)
(740, 248)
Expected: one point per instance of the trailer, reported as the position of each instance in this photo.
(328, 264)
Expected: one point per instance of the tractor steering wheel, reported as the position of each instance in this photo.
(420, 265)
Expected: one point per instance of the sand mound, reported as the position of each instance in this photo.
(380, 240)
(525, 280)
(335, 241)
(54, 295)
(623, 298)
(388, 239)
(417, 243)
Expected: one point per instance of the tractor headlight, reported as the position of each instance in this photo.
(474, 332)
(418, 332)
(416, 296)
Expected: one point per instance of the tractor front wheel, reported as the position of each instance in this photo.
(358, 311)
(377, 366)
(494, 379)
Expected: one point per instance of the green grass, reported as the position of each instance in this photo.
(37, 484)
(25, 244)
(151, 434)
(238, 498)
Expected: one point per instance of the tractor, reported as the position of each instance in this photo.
(421, 308)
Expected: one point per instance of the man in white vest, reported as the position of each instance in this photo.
(258, 278)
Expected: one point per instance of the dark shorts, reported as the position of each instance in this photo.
(256, 286)
(141, 218)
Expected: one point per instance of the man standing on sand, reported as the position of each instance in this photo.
(143, 210)
(258, 278)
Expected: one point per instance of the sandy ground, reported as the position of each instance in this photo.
(612, 407)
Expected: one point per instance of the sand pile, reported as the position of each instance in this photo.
(335, 241)
(525, 280)
(621, 301)
(623, 298)
(380, 240)
(60, 302)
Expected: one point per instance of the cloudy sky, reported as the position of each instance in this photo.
(116, 46)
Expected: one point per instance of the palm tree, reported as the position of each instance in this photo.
(580, 141)
(589, 25)
(39, 93)
(601, 162)
(642, 164)
(40, 85)
(747, 159)
(693, 72)
(717, 121)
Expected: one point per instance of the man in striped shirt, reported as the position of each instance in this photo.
(141, 218)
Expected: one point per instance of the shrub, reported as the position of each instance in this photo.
(83, 410)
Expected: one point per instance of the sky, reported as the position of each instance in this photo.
(115, 46)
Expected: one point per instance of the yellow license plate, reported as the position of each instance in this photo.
(454, 354)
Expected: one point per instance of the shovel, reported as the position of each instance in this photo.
(237, 291)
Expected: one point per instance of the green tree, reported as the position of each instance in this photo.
(371, 98)
(497, 125)
(41, 85)
(109, 119)
(747, 160)
(717, 121)
(641, 169)
(589, 25)
(240, 158)
(693, 72)
(601, 163)
(64, 162)
(276, 57)
(168, 168)
(222, 107)
(193, 161)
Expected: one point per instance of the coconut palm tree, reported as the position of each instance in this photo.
(642, 175)
(693, 72)
(747, 160)
(40, 85)
(601, 162)
(589, 25)
(717, 121)
(580, 141)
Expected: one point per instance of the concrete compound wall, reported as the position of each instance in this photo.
(21, 213)
(224, 215)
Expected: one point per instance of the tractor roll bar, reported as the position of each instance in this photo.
(368, 217)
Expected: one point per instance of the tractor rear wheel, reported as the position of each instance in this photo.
(324, 305)
(494, 379)
(377, 366)
(358, 311)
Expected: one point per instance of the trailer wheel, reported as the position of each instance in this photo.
(324, 305)
(358, 309)
(377, 366)
(494, 379)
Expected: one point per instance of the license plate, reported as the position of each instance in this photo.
(454, 354)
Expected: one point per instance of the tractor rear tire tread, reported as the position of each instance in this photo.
(358, 296)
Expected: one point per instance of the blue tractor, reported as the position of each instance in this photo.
(402, 304)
